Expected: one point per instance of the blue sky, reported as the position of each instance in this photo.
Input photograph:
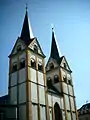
(71, 19)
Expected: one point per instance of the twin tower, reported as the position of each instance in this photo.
(40, 92)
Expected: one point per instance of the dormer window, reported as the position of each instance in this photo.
(18, 48)
(14, 67)
(33, 63)
(22, 63)
(40, 66)
(64, 64)
(56, 79)
(36, 48)
(51, 66)
(49, 82)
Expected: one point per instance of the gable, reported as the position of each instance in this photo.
(50, 62)
(64, 64)
(19, 45)
(35, 46)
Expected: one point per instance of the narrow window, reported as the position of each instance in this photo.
(33, 63)
(18, 48)
(56, 79)
(22, 64)
(14, 67)
(64, 64)
(49, 83)
(36, 48)
(51, 66)
(40, 67)
(65, 79)
(69, 82)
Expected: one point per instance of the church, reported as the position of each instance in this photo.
(38, 90)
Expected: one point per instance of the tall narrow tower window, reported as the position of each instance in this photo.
(49, 82)
(51, 66)
(56, 79)
(69, 82)
(14, 67)
(65, 79)
(36, 48)
(64, 64)
(40, 67)
(18, 48)
(33, 63)
(22, 63)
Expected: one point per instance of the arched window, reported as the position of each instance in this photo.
(49, 82)
(69, 82)
(18, 48)
(40, 67)
(57, 112)
(64, 79)
(51, 66)
(22, 63)
(14, 67)
(36, 48)
(64, 64)
(33, 63)
(56, 79)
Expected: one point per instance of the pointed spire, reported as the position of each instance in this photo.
(26, 7)
(54, 48)
(26, 33)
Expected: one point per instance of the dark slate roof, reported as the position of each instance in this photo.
(85, 106)
(25, 33)
(85, 109)
(54, 50)
(4, 99)
(60, 60)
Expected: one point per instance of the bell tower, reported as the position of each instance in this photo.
(61, 96)
(40, 93)
(27, 77)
